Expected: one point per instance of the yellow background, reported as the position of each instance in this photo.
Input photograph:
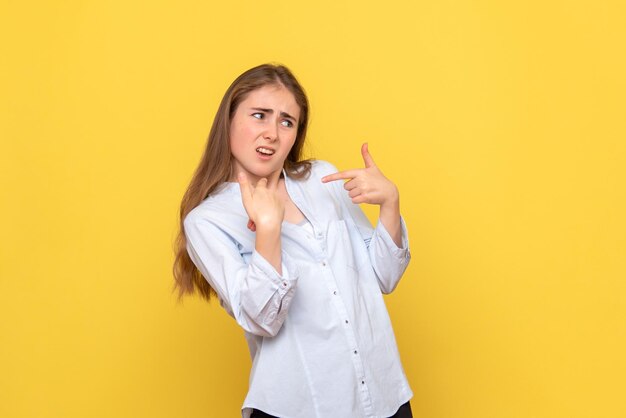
(502, 123)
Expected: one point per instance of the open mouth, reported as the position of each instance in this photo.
(265, 151)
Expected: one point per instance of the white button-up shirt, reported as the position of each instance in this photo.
(319, 335)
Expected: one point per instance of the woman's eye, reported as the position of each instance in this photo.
(287, 123)
(257, 115)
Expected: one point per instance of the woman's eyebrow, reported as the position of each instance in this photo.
(283, 114)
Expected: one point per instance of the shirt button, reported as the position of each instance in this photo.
(355, 351)
(346, 321)
(285, 284)
(324, 263)
(362, 382)
(335, 292)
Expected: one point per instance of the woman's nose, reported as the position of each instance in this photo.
(271, 133)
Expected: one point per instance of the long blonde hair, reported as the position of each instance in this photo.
(215, 165)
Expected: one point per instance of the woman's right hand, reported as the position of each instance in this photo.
(264, 207)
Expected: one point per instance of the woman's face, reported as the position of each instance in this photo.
(262, 132)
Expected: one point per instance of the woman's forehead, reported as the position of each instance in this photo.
(275, 97)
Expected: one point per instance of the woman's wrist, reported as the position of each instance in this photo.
(392, 202)
(269, 226)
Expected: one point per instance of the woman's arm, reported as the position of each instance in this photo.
(388, 243)
(256, 294)
(266, 211)
(369, 185)
(389, 215)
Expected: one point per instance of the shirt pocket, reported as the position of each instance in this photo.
(346, 244)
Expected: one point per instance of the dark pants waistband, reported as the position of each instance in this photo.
(403, 412)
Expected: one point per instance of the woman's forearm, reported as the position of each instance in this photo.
(390, 218)
(268, 244)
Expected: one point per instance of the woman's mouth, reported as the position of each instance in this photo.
(265, 151)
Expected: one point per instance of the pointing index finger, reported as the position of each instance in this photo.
(347, 174)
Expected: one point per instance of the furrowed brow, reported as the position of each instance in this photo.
(287, 115)
(262, 110)
(283, 114)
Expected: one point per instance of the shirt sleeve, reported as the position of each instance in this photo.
(388, 260)
(253, 293)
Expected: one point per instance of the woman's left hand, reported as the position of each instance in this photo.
(367, 185)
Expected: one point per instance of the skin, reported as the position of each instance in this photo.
(263, 191)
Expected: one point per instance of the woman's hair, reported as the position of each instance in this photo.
(216, 163)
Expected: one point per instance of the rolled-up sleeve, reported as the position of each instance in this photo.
(388, 260)
(253, 293)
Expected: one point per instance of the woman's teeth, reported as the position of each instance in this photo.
(265, 151)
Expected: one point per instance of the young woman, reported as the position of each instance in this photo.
(292, 258)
